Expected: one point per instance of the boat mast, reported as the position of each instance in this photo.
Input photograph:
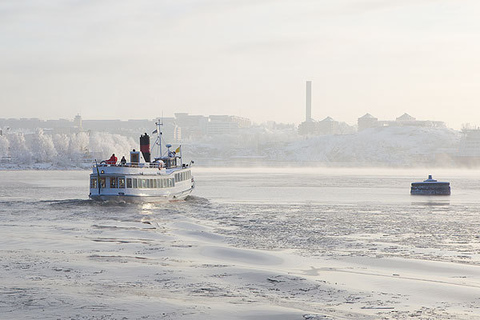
(158, 141)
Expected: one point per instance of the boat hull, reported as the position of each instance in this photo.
(142, 198)
(125, 184)
(430, 189)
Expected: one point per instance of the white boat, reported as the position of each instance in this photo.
(166, 178)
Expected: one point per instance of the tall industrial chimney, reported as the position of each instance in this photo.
(308, 117)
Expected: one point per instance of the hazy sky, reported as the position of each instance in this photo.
(125, 59)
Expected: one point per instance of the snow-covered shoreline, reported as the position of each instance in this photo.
(375, 147)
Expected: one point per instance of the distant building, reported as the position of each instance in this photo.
(218, 125)
(469, 149)
(405, 120)
(367, 121)
(326, 126)
(182, 126)
(329, 126)
(191, 125)
(307, 127)
(77, 123)
(197, 126)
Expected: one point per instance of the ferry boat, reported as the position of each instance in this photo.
(430, 187)
(166, 178)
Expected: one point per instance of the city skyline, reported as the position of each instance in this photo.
(245, 58)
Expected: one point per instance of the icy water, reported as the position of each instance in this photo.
(249, 244)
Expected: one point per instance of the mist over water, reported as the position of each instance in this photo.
(256, 242)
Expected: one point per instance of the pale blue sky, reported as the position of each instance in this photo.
(136, 59)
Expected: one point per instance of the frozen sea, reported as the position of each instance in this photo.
(267, 243)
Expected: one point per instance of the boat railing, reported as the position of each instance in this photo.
(128, 164)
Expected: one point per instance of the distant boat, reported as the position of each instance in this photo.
(166, 178)
(430, 187)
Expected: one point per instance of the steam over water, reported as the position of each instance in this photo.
(249, 244)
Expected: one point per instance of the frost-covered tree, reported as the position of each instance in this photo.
(78, 146)
(42, 147)
(4, 147)
(19, 151)
(61, 143)
(105, 144)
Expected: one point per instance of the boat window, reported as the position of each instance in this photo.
(113, 182)
(103, 183)
(93, 183)
(134, 183)
(129, 182)
(121, 182)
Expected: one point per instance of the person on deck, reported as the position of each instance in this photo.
(112, 160)
(123, 161)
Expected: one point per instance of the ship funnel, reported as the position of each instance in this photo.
(145, 147)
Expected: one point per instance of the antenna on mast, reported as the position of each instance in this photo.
(158, 131)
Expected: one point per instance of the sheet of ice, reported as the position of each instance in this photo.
(217, 257)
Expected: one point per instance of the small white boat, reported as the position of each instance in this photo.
(166, 178)
(430, 187)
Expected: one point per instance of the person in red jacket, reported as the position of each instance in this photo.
(112, 160)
